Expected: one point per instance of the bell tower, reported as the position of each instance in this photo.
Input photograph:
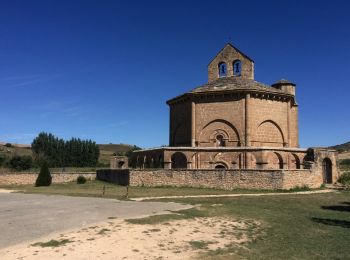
(230, 62)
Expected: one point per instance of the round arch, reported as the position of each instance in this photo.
(219, 127)
(178, 161)
(295, 162)
(268, 133)
(274, 161)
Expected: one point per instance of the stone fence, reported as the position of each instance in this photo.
(10, 178)
(221, 179)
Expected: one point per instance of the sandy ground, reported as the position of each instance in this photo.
(118, 239)
(6, 191)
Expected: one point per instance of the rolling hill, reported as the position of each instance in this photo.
(106, 150)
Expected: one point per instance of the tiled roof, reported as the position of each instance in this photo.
(234, 83)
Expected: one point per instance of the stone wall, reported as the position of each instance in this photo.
(227, 179)
(311, 178)
(11, 178)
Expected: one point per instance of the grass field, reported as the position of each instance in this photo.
(294, 226)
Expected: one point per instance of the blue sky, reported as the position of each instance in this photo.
(104, 69)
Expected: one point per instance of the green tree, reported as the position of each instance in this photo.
(20, 163)
(44, 177)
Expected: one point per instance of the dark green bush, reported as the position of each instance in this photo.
(81, 179)
(2, 160)
(44, 177)
(344, 162)
(8, 145)
(20, 163)
(345, 179)
(300, 188)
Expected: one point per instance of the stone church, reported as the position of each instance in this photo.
(234, 122)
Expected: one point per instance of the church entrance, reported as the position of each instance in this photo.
(327, 170)
(178, 161)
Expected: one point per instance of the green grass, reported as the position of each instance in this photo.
(313, 226)
(199, 244)
(95, 189)
(53, 243)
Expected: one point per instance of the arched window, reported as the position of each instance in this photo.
(222, 69)
(220, 141)
(220, 167)
(237, 68)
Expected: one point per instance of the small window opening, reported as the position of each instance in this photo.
(222, 70)
(237, 68)
(220, 141)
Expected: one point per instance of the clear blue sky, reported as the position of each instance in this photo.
(104, 69)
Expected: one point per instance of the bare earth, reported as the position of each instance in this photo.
(118, 239)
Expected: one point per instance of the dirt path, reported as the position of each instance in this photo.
(236, 195)
(117, 239)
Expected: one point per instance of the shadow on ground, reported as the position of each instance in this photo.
(332, 222)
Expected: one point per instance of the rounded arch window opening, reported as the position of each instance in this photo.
(222, 69)
(220, 167)
(237, 68)
(220, 141)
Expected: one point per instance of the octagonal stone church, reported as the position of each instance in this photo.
(235, 122)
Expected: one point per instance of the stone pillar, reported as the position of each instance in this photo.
(247, 118)
(287, 141)
(193, 124)
(247, 131)
(167, 165)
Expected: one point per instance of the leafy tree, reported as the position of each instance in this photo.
(20, 163)
(59, 153)
(44, 177)
(2, 160)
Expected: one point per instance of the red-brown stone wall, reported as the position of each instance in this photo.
(180, 124)
(224, 118)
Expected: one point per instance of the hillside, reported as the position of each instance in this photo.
(106, 150)
(345, 147)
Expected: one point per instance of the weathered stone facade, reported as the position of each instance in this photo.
(235, 122)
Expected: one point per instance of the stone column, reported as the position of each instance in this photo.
(247, 118)
(247, 130)
(193, 124)
(287, 141)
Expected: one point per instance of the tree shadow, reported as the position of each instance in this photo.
(337, 208)
(332, 222)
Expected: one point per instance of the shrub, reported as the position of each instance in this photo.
(8, 145)
(344, 162)
(44, 177)
(300, 188)
(81, 179)
(345, 179)
(20, 163)
(2, 160)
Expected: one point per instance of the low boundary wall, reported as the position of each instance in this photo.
(18, 178)
(221, 179)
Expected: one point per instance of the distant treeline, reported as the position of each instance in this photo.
(60, 153)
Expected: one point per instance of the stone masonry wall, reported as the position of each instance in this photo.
(227, 179)
(311, 178)
(29, 177)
